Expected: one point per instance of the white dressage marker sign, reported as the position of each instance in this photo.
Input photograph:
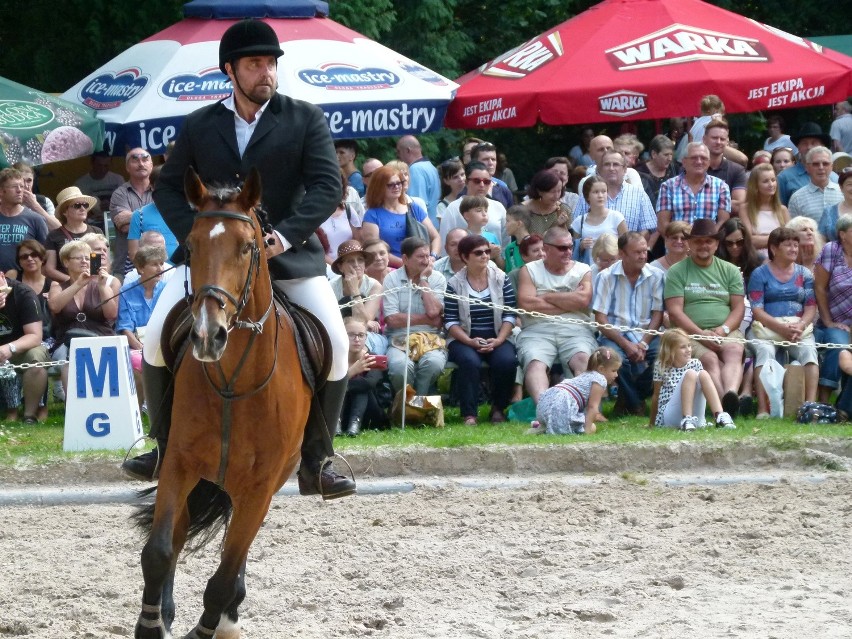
(101, 405)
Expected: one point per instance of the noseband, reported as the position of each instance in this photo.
(220, 295)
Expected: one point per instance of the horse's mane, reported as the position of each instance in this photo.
(226, 193)
(223, 193)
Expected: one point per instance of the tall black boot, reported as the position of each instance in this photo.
(158, 383)
(316, 473)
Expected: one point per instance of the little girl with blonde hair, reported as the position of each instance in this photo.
(682, 388)
(572, 405)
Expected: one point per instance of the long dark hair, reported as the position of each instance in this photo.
(748, 259)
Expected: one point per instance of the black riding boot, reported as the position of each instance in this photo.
(159, 394)
(316, 473)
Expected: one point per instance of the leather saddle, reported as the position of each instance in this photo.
(312, 341)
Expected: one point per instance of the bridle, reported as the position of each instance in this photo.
(220, 295)
(226, 389)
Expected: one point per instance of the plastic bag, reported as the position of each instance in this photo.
(772, 376)
(419, 409)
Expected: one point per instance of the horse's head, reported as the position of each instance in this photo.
(227, 254)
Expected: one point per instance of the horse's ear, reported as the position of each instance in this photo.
(193, 187)
(251, 191)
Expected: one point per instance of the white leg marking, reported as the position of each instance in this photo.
(227, 629)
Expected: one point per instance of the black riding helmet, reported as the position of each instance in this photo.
(248, 38)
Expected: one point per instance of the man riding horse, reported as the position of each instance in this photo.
(288, 141)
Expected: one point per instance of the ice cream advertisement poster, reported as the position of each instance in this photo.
(38, 128)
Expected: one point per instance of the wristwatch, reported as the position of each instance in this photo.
(12, 348)
(725, 329)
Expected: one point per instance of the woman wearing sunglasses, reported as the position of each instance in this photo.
(71, 210)
(385, 217)
(478, 333)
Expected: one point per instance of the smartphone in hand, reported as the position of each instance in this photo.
(94, 263)
(380, 362)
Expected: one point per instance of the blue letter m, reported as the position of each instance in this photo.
(86, 369)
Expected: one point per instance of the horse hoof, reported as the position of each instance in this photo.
(200, 632)
(150, 624)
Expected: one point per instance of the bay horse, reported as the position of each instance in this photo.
(239, 414)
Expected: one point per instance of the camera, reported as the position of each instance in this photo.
(94, 263)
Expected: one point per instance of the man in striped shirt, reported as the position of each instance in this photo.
(630, 293)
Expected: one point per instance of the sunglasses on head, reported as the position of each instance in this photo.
(485, 181)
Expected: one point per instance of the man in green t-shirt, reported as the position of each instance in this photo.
(705, 296)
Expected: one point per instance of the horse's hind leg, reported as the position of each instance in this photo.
(226, 588)
(229, 623)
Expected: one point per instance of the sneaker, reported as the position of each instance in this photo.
(535, 428)
(723, 420)
(58, 392)
(746, 405)
(578, 426)
(730, 404)
(688, 423)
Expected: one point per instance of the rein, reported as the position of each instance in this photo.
(226, 390)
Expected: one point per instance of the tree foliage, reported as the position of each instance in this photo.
(51, 45)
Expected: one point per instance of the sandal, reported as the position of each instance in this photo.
(29, 420)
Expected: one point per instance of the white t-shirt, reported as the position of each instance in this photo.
(584, 229)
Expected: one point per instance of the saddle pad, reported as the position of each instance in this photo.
(312, 342)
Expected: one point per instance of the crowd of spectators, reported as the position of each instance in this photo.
(684, 233)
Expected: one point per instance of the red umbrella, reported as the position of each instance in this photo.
(647, 59)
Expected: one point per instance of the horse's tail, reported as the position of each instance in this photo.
(209, 511)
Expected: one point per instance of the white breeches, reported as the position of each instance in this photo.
(314, 293)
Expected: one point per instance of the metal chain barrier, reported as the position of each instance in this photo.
(555, 319)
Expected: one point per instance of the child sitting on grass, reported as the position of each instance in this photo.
(572, 405)
(682, 388)
(474, 210)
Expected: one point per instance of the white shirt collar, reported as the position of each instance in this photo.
(243, 129)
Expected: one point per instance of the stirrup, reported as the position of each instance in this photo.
(328, 460)
(159, 463)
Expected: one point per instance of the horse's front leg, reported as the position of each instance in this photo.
(178, 541)
(226, 588)
(159, 558)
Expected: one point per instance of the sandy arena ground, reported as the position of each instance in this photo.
(613, 557)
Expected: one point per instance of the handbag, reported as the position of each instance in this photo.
(421, 343)
(73, 333)
(762, 332)
(414, 227)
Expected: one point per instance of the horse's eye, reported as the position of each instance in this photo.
(247, 247)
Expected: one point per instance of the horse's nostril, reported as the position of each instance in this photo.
(221, 335)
